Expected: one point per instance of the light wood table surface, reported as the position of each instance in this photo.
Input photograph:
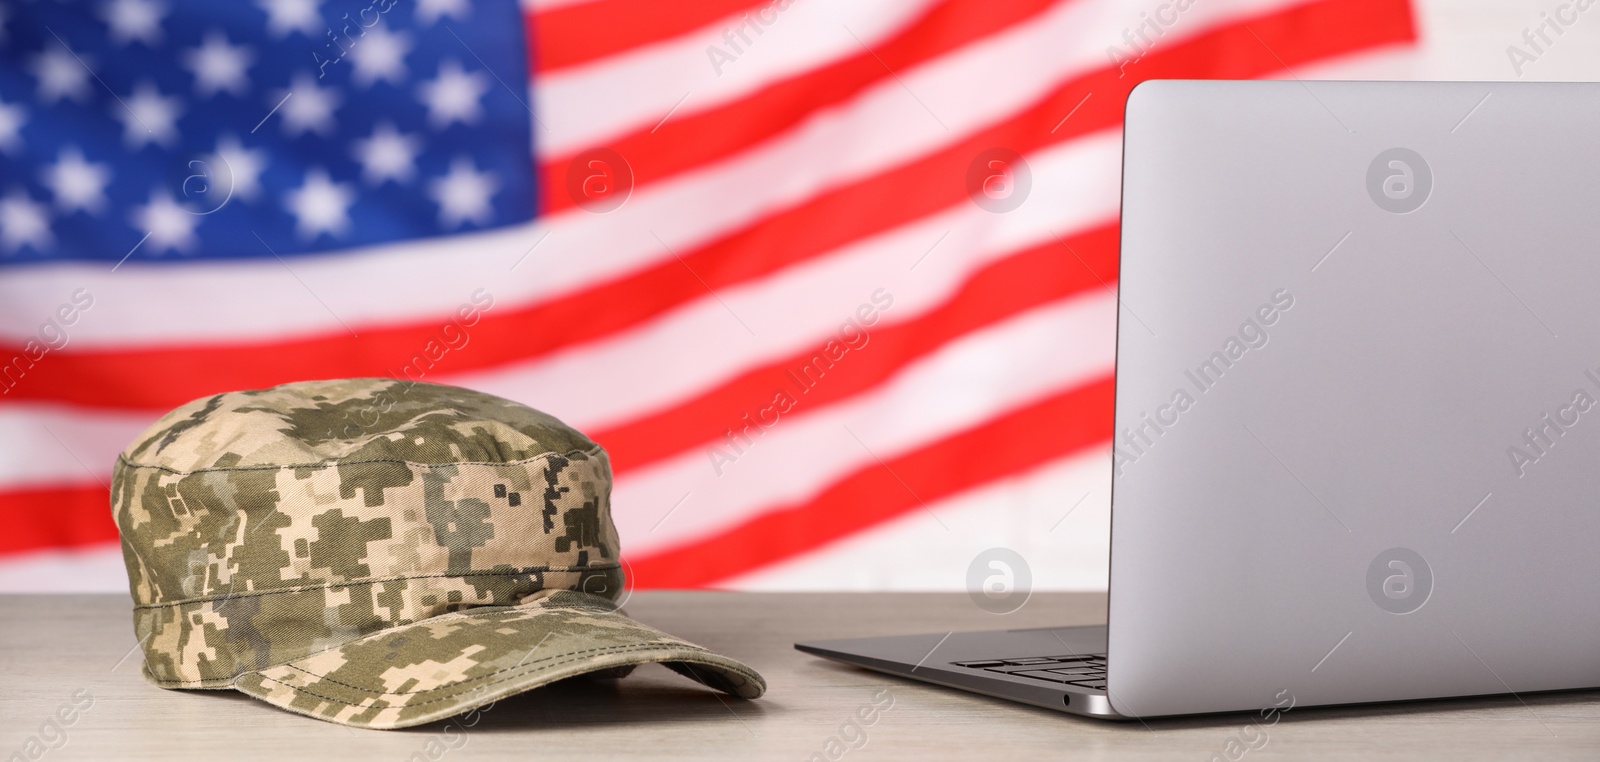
(53, 648)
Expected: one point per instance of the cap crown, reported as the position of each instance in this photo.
(262, 526)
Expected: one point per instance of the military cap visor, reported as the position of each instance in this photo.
(379, 553)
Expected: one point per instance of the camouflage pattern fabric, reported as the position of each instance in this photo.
(431, 669)
(287, 541)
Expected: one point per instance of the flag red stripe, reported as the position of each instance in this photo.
(690, 141)
(1005, 446)
(55, 517)
(584, 32)
(163, 377)
(1008, 287)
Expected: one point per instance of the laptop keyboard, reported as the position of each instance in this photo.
(1081, 670)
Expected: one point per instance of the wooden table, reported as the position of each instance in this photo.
(54, 647)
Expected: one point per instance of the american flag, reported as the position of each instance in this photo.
(808, 269)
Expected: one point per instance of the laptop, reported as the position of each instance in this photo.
(1357, 426)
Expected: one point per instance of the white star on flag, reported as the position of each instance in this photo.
(240, 168)
(463, 194)
(380, 55)
(76, 183)
(60, 75)
(149, 117)
(453, 95)
(218, 66)
(321, 206)
(430, 11)
(23, 221)
(285, 16)
(169, 225)
(387, 155)
(132, 20)
(309, 108)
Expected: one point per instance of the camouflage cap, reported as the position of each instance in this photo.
(379, 553)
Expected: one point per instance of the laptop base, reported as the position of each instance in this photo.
(977, 662)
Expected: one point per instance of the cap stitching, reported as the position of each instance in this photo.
(614, 649)
(599, 649)
(202, 682)
(596, 450)
(332, 585)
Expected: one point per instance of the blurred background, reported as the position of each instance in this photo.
(834, 281)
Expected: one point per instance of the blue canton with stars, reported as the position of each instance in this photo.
(176, 130)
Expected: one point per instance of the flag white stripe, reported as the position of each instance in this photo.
(43, 444)
(238, 302)
(1038, 514)
(90, 570)
(593, 103)
(977, 377)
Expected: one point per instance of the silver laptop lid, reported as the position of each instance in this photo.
(1358, 394)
